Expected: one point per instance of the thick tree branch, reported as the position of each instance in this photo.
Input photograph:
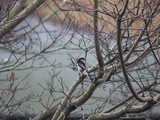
(145, 106)
(108, 116)
(133, 109)
(119, 39)
(63, 104)
(146, 88)
(20, 17)
(54, 12)
(75, 103)
(124, 8)
(96, 38)
(88, 93)
(18, 7)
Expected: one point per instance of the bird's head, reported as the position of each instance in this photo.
(81, 60)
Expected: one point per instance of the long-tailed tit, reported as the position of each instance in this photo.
(82, 67)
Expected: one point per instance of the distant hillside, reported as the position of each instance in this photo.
(82, 18)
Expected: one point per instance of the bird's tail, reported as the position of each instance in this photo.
(86, 73)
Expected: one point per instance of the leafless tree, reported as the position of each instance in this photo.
(22, 47)
(122, 35)
(125, 38)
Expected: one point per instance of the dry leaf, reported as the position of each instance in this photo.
(12, 75)
(19, 102)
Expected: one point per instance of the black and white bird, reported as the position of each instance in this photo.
(82, 67)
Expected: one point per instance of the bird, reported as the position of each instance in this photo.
(82, 67)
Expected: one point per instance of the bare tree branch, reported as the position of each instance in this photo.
(20, 17)
(96, 39)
